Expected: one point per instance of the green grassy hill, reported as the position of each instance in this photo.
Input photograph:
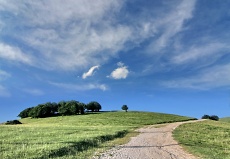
(207, 139)
(226, 119)
(72, 136)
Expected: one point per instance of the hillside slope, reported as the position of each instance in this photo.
(73, 136)
(226, 119)
(207, 139)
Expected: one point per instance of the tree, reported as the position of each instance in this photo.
(49, 109)
(125, 107)
(25, 112)
(70, 108)
(54, 107)
(40, 111)
(93, 106)
(73, 107)
(82, 108)
(63, 108)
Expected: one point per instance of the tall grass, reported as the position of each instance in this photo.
(208, 139)
(70, 137)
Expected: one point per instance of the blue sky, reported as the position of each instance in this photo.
(169, 56)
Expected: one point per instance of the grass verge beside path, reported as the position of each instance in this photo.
(207, 139)
(71, 137)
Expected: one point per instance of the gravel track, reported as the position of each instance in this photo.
(151, 143)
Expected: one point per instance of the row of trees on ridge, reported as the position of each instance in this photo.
(61, 108)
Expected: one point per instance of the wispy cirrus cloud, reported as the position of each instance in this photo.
(208, 52)
(71, 36)
(4, 75)
(79, 33)
(12, 53)
(213, 77)
(81, 87)
(170, 24)
(34, 91)
(4, 92)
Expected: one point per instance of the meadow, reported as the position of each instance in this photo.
(207, 139)
(68, 137)
(227, 119)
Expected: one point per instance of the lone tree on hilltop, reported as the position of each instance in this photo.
(125, 107)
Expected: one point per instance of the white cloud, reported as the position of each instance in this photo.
(121, 72)
(82, 87)
(120, 64)
(206, 53)
(4, 75)
(171, 23)
(14, 54)
(90, 72)
(4, 92)
(213, 77)
(79, 34)
(73, 35)
(36, 92)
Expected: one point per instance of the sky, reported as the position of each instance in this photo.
(169, 56)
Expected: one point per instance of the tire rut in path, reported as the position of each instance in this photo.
(151, 143)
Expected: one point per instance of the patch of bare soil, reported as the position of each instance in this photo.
(151, 143)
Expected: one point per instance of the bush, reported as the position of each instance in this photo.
(214, 117)
(205, 117)
(13, 122)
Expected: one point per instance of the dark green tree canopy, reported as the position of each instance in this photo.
(125, 107)
(61, 108)
(25, 112)
(41, 111)
(93, 106)
(70, 108)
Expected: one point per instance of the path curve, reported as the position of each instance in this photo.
(151, 143)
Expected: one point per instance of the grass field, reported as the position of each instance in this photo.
(227, 119)
(70, 137)
(207, 139)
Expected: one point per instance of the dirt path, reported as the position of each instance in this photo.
(151, 143)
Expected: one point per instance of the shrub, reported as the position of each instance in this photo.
(205, 117)
(214, 117)
(13, 122)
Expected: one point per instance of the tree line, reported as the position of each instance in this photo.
(61, 108)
